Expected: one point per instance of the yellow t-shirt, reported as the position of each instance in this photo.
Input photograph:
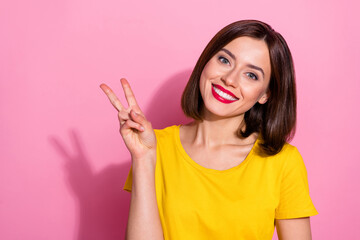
(238, 203)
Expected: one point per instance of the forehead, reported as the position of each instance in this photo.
(250, 50)
(258, 46)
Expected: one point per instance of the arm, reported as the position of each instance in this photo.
(293, 229)
(139, 138)
(144, 220)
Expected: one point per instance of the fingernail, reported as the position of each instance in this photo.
(135, 114)
(142, 128)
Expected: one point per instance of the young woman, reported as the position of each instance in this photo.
(229, 174)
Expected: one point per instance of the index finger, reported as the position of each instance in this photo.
(112, 97)
(130, 97)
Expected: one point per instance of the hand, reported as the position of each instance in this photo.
(136, 131)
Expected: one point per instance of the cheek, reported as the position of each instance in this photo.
(205, 71)
(253, 92)
(202, 85)
(204, 78)
(210, 70)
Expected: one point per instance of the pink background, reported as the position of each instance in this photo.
(62, 160)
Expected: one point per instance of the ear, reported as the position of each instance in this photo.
(263, 99)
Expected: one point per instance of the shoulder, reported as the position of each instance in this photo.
(167, 132)
(291, 155)
(288, 151)
(291, 162)
(288, 158)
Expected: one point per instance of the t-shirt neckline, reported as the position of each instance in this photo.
(189, 160)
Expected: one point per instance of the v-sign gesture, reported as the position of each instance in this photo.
(137, 132)
(140, 139)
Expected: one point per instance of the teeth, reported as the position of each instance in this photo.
(224, 95)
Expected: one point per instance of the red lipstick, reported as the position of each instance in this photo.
(220, 98)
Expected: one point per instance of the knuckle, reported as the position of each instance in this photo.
(140, 117)
(123, 116)
(126, 123)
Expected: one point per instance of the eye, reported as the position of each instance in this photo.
(252, 75)
(223, 60)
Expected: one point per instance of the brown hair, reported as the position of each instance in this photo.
(275, 120)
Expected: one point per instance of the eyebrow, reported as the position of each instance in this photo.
(248, 65)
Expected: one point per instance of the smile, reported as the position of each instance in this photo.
(223, 95)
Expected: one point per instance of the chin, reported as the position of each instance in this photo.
(219, 112)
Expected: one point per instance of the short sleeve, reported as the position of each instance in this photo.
(295, 201)
(128, 182)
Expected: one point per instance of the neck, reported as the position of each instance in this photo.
(213, 132)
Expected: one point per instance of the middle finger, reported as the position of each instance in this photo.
(129, 94)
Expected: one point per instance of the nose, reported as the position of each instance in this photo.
(230, 78)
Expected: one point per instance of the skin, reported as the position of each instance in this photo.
(230, 69)
(294, 229)
(139, 138)
(212, 143)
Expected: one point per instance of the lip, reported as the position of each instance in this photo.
(224, 90)
(220, 98)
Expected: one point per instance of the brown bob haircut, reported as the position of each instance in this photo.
(275, 120)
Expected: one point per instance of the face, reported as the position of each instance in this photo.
(236, 78)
